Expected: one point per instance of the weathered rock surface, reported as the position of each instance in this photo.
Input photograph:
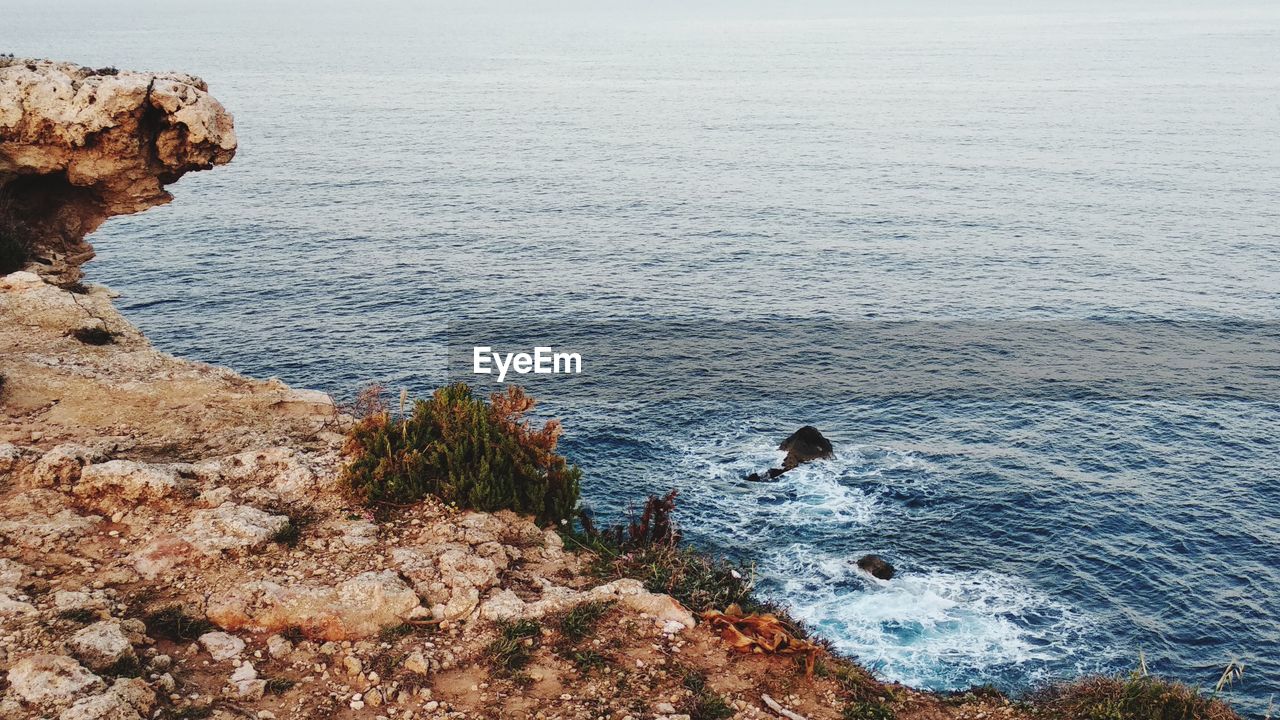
(357, 608)
(506, 605)
(128, 699)
(804, 445)
(232, 527)
(87, 404)
(101, 645)
(221, 646)
(124, 484)
(78, 146)
(50, 679)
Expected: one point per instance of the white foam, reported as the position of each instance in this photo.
(927, 627)
(933, 628)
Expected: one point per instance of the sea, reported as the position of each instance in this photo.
(1019, 262)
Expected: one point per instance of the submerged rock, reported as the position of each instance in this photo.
(877, 567)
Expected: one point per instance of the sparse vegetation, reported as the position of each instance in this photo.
(279, 686)
(648, 549)
(513, 649)
(581, 621)
(173, 623)
(293, 634)
(84, 616)
(867, 710)
(704, 704)
(467, 452)
(577, 625)
(1135, 697)
(94, 335)
(586, 660)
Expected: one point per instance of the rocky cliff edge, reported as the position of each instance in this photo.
(79, 145)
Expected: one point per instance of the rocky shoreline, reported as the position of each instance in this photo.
(175, 543)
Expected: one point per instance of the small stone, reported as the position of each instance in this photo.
(222, 646)
(244, 673)
(431, 706)
(353, 665)
(416, 663)
(278, 647)
(251, 689)
(101, 645)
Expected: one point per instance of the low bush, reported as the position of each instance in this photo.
(647, 548)
(469, 453)
(1135, 697)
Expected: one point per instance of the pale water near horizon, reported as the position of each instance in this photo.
(402, 169)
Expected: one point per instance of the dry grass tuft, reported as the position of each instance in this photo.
(1136, 697)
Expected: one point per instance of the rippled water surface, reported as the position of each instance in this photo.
(402, 167)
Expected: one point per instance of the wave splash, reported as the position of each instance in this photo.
(931, 627)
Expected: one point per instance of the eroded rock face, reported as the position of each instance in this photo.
(78, 146)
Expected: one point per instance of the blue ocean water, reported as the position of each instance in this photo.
(403, 166)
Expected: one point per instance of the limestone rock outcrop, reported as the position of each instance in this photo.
(357, 608)
(78, 146)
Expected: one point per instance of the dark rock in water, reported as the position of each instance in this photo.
(769, 474)
(804, 445)
(877, 566)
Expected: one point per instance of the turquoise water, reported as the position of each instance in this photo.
(642, 173)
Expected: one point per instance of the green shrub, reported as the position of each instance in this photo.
(467, 452)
